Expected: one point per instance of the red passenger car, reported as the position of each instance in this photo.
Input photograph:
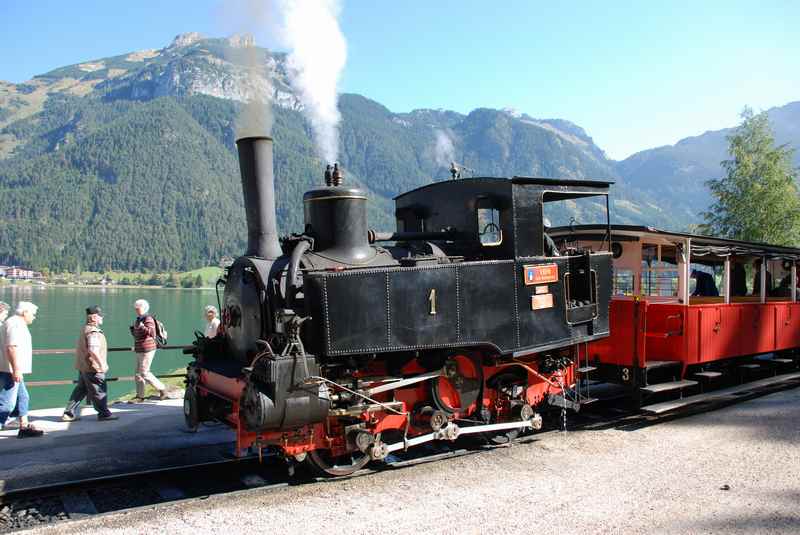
(690, 312)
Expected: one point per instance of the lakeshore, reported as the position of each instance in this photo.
(201, 278)
(61, 314)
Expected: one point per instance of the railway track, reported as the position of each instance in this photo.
(38, 506)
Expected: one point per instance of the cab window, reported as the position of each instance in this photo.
(489, 232)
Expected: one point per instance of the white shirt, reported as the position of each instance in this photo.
(3, 362)
(212, 327)
(16, 333)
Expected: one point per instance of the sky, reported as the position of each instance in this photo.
(634, 75)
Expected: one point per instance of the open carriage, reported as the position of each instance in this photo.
(690, 312)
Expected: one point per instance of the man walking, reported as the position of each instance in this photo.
(144, 344)
(91, 360)
(16, 361)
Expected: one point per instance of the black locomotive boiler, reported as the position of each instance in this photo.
(337, 350)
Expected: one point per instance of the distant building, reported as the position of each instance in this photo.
(19, 273)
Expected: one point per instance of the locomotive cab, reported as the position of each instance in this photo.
(495, 219)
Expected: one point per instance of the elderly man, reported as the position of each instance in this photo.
(91, 361)
(212, 322)
(17, 361)
(144, 344)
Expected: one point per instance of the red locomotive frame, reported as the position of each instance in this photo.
(297, 442)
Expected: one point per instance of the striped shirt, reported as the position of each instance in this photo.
(144, 334)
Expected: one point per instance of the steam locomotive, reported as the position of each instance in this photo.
(341, 344)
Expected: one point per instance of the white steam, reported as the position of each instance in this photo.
(444, 151)
(317, 56)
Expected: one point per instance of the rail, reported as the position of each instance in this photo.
(128, 378)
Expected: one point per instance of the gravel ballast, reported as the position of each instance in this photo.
(734, 470)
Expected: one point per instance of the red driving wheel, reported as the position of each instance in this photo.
(458, 389)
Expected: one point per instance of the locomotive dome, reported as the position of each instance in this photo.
(336, 217)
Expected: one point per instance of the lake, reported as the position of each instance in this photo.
(62, 313)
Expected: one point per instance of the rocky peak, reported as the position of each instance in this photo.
(186, 39)
(241, 40)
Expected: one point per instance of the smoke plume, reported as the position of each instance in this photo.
(242, 19)
(444, 151)
(255, 117)
(317, 56)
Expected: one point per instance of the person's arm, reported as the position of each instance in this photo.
(149, 326)
(11, 353)
(93, 346)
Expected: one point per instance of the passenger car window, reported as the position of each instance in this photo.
(623, 282)
(659, 274)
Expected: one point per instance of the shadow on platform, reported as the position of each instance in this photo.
(148, 436)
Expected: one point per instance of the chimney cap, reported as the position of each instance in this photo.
(248, 138)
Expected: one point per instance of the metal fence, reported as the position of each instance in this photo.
(108, 379)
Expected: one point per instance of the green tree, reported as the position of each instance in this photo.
(198, 281)
(758, 198)
(171, 282)
(187, 282)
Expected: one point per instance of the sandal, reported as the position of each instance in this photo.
(137, 399)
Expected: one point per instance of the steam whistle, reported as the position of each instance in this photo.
(455, 172)
(337, 176)
(333, 175)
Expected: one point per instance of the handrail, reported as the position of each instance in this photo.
(71, 351)
(126, 378)
(110, 349)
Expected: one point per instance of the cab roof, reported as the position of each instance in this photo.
(601, 185)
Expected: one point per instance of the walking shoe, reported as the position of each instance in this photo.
(107, 417)
(13, 424)
(69, 417)
(137, 399)
(163, 394)
(29, 432)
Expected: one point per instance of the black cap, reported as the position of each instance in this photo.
(94, 310)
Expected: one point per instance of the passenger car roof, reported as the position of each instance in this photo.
(701, 245)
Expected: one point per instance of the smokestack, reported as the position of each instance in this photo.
(258, 186)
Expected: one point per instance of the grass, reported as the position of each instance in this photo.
(172, 383)
(208, 274)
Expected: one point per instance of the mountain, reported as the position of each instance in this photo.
(129, 162)
(679, 172)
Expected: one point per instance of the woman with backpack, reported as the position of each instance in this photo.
(144, 344)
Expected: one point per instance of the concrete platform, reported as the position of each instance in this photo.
(147, 436)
